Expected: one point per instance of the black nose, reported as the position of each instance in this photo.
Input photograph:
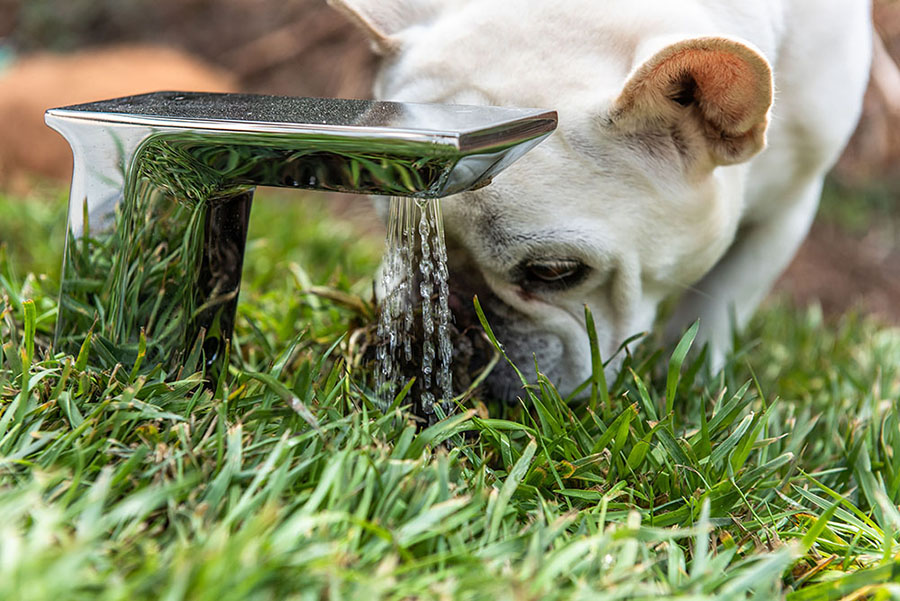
(472, 350)
(466, 282)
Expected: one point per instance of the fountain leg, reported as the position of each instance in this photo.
(219, 276)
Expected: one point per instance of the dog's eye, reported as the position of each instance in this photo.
(558, 272)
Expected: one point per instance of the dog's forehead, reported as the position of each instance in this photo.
(570, 208)
(567, 183)
(502, 227)
(526, 50)
(507, 56)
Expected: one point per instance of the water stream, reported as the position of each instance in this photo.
(413, 328)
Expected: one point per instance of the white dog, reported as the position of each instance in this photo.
(693, 139)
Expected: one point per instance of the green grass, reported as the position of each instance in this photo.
(777, 478)
(862, 209)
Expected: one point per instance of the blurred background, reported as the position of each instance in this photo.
(58, 52)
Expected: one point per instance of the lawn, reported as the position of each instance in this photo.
(777, 478)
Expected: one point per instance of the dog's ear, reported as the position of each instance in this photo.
(381, 20)
(721, 88)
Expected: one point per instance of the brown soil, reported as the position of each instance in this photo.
(842, 272)
(29, 148)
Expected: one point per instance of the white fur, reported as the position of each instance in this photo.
(608, 187)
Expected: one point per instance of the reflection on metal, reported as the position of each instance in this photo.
(163, 184)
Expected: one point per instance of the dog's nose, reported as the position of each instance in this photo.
(472, 349)
(466, 282)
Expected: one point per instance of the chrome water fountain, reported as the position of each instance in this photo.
(163, 185)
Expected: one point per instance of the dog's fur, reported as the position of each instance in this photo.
(692, 144)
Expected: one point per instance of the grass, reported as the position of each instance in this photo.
(777, 478)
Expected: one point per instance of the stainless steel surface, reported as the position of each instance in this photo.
(163, 184)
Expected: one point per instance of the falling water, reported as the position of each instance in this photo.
(414, 279)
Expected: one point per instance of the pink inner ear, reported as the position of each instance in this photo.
(728, 90)
(728, 85)
(732, 84)
(382, 20)
(361, 14)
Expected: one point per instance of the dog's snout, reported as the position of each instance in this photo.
(521, 338)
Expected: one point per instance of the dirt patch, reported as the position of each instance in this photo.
(841, 272)
(44, 81)
(299, 48)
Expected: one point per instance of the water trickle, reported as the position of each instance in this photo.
(415, 282)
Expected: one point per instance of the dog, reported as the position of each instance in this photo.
(693, 140)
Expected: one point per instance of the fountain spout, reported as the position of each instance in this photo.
(163, 184)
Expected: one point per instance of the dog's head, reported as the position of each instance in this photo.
(626, 203)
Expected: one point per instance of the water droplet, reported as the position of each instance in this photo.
(415, 281)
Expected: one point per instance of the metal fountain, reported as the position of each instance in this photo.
(163, 185)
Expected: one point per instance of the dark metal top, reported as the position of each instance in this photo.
(465, 127)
